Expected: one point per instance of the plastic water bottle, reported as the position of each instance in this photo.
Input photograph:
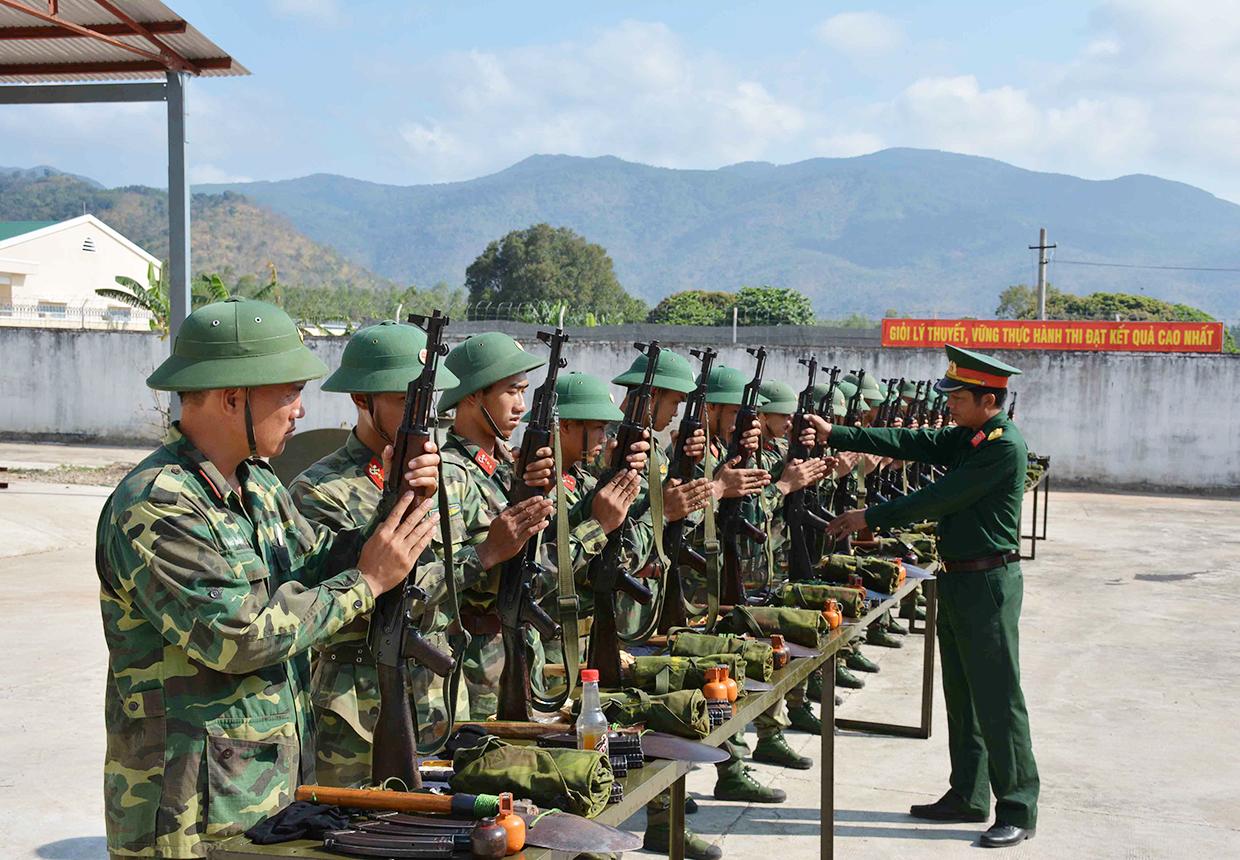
(591, 724)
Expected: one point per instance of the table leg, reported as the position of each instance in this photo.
(931, 589)
(676, 817)
(1046, 499)
(826, 839)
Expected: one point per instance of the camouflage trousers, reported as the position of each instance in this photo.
(344, 723)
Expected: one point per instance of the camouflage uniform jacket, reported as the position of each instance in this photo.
(211, 601)
(342, 491)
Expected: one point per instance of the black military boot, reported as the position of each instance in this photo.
(846, 679)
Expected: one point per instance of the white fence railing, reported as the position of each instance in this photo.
(85, 315)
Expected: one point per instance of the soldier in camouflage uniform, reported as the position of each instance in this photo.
(342, 491)
(489, 401)
(213, 589)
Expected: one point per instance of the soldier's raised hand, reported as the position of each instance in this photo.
(799, 474)
(511, 529)
(638, 453)
(751, 439)
(393, 550)
(422, 472)
(680, 500)
(538, 472)
(732, 481)
(695, 445)
(612, 501)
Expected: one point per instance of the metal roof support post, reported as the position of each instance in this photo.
(178, 207)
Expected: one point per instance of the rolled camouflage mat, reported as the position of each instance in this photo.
(661, 674)
(758, 656)
(682, 713)
(576, 781)
(814, 595)
(805, 627)
(884, 575)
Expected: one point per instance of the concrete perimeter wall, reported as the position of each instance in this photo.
(1121, 420)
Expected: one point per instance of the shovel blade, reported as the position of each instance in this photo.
(672, 748)
(562, 831)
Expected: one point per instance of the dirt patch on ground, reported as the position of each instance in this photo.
(94, 476)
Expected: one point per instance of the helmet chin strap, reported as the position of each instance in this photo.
(374, 422)
(249, 426)
(585, 450)
(499, 434)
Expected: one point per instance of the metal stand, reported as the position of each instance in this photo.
(826, 780)
(920, 731)
(1041, 493)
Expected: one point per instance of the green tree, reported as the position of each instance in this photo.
(545, 268)
(694, 307)
(767, 305)
(151, 297)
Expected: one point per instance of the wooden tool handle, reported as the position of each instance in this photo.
(358, 798)
(517, 731)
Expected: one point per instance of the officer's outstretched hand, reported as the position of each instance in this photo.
(680, 500)
(846, 523)
(799, 474)
(613, 500)
(511, 529)
(732, 481)
(821, 427)
(393, 549)
(538, 471)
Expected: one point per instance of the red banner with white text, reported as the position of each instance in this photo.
(1086, 335)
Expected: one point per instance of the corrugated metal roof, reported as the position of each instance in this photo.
(9, 229)
(83, 58)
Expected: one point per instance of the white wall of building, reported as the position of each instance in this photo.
(52, 274)
(1121, 420)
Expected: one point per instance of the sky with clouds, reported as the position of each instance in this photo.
(411, 92)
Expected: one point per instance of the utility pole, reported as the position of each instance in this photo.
(1042, 248)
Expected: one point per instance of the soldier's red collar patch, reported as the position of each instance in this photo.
(978, 438)
(485, 462)
(570, 483)
(374, 471)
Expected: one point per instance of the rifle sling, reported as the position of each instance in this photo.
(567, 601)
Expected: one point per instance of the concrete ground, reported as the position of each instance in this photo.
(1131, 665)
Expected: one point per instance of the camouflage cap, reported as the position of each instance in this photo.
(780, 398)
(236, 343)
(671, 371)
(582, 397)
(483, 360)
(969, 369)
(384, 358)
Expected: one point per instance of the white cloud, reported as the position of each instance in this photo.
(848, 144)
(200, 174)
(632, 90)
(862, 34)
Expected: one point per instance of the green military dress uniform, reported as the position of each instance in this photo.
(342, 491)
(211, 600)
(977, 505)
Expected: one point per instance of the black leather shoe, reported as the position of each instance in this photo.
(1005, 835)
(948, 809)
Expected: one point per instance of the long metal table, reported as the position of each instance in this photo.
(644, 784)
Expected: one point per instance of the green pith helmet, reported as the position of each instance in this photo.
(780, 398)
(236, 343)
(909, 389)
(839, 406)
(969, 369)
(483, 360)
(383, 359)
(582, 397)
(671, 371)
(726, 385)
(869, 388)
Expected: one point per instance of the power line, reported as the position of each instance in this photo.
(1140, 266)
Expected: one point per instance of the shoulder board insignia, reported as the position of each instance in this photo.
(374, 471)
(485, 462)
(995, 434)
(570, 483)
(978, 438)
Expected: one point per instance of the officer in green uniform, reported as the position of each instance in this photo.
(342, 491)
(977, 505)
(214, 589)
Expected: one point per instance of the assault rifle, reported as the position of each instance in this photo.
(1012, 407)
(732, 523)
(889, 484)
(820, 507)
(682, 467)
(873, 481)
(845, 496)
(797, 516)
(394, 636)
(606, 574)
(518, 607)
